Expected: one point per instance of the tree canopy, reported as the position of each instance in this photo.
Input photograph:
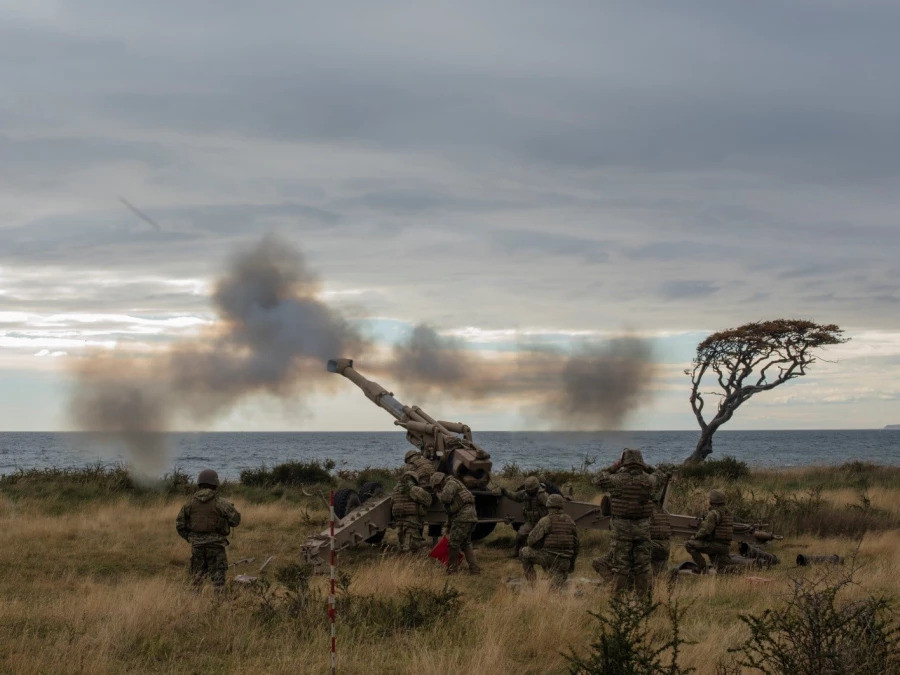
(746, 360)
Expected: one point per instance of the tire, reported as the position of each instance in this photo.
(345, 500)
(482, 530)
(370, 489)
(551, 488)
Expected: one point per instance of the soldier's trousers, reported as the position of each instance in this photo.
(459, 538)
(557, 566)
(630, 553)
(522, 535)
(211, 561)
(409, 535)
(718, 553)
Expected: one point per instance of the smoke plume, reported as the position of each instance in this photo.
(596, 387)
(273, 334)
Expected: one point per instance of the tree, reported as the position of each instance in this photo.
(746, 360)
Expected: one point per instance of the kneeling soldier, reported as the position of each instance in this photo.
(206, 522)
(409, 504)
(552, 544)
(461, 520)
(533, 497)
(713, 536)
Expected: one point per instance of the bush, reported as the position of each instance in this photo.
(728, 468)
(626, 644)
(819, 632)
(289, 473)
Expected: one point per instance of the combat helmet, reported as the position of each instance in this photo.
(532, 484)
(410, 475)
(410, 454)
(208, 477)
(716, 497)
(437, 478)
(632, 457)
(555, 502)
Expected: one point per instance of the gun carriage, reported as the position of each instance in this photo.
(450, 446)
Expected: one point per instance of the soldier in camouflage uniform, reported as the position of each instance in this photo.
(461, 520)
(552, 544)
(206, 522)
(409, 504)
(533, 497)
(630, 484)
(660, 533)
(419, 465)
(713, 536)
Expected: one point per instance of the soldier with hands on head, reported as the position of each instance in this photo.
(409, 504)
(205, 522)
(461, 520)
(533, 498)
(630, 484)
(553, 544)
(714, 535)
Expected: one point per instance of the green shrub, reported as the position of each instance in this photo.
(728, 468)
(289, 473)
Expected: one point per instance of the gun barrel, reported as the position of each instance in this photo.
(373, 391)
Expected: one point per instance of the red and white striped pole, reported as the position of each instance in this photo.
(331, 611)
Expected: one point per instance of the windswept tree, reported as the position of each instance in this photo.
(746, 360)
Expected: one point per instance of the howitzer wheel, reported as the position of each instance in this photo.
(482, 530)
(551, 488)
(347, 499)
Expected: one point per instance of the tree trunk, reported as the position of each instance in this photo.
(704, 447)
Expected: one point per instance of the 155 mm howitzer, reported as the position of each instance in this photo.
(449, 445)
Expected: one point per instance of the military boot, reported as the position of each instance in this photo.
(642, 585)
(469, 552)
(452, 560)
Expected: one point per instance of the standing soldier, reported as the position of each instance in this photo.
(206, 522)
(630, 484)
(419, 465)
(552, 544)
(660, 532)
(461, 520)
(533, 496)
(409, 504)
(713, 536)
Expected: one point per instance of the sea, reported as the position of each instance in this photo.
(230, 453)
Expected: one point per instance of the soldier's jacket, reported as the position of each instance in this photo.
(409, 501)
(534, 504)
(207, 519)
(459, 502)
(420, 466)
(629, 490)
(717, 526)
(555, 533)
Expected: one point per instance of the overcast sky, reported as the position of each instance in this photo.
(507, 172)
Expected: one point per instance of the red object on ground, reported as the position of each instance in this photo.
(441, 551)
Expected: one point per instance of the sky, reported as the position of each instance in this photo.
(510, 173)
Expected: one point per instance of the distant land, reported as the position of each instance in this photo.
(895, 427)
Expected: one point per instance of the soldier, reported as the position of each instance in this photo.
(660, 533)
(409, 504)
(630, 483)
(461, 520)
(206, 522)
(419, 465)
(552, 544)
(534, 497)
(713, 537)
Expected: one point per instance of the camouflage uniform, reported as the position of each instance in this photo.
(419, 465)
(206, 522)
(552, 544)
(461, 520)
(534, 500)
(713, 536)
(630, 488)
(409, 504)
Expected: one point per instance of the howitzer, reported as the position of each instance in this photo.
(449, 445)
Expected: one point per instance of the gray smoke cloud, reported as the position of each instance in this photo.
(273, 334)
(596, 387)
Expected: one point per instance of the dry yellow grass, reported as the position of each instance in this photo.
(101, 589)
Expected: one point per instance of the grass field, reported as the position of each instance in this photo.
(93, 580)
